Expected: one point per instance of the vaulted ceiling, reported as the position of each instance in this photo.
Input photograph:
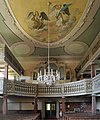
(70, 26)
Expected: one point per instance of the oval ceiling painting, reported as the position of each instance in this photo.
(47, 19)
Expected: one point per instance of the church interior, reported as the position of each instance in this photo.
(50, 59)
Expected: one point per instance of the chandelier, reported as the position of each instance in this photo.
(48, 78)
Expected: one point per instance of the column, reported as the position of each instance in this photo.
(6, 72)
(93, 95)
(35, 101)
(4, 104)
(43, 109)
(92, 70)
(35, 105)
(63, 106)
(5, 91)
(57, 108)
(93, 104)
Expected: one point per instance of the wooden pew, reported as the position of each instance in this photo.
(81, 116)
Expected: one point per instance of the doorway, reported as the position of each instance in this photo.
(50, 109)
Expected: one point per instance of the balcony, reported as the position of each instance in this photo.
(82, 87)
(68, 89)
(96, 84)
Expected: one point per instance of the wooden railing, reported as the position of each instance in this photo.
(21, 88)
(81, 87)
(96, 84)
(36, 117)
(68, 89)
(50, 91)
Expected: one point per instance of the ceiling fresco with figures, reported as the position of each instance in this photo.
(47, 19)
(71, 26)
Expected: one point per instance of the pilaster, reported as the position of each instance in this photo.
(93, 104)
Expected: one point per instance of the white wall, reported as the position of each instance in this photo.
(98, 102)
(27, 106)
(13, 106)
(20, 103)
(39, 105)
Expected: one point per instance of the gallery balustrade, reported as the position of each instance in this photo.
(96, 84)
(21, 88)
(81, 87)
